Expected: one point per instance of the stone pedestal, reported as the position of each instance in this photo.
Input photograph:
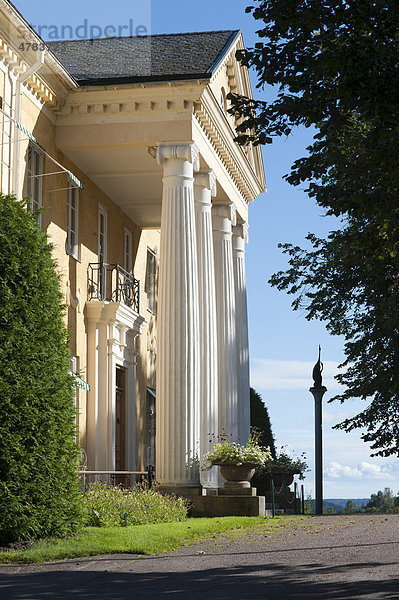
(228, 506)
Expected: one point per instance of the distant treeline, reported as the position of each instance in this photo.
(381, 502)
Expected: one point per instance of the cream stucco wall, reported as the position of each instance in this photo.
(73, 273)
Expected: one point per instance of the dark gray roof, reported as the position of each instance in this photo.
(165, 57)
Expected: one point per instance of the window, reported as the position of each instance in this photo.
(35, 172)
(127, 251)
(102, 235)
(73, 221)
(151, 281)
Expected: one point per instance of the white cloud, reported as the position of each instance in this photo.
(271, 374)
(335, 470)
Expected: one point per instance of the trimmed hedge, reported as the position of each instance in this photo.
(39, 491)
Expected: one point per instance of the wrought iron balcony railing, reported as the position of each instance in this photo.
(112, 283)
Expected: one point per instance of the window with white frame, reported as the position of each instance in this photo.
(151, 281)
(102, 235)
(35, 173)
(127, 251)
(72, 246)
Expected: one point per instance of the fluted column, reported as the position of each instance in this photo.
(178, 408)
(204, 189)
(240, 237)
(223, 217)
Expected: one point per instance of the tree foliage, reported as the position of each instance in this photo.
(261, 421)
(39, 493)
(382, 502)
(334, 67)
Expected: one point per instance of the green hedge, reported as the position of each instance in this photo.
(39, 492)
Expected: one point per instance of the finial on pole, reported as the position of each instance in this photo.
(317, 372)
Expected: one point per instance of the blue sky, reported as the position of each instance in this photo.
(283, 345)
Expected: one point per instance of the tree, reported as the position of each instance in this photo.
(39, 492)
(334, 65)
(350, 508)
(382, 502)
(260, 419)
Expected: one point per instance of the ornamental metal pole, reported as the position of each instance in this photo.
(318, 390)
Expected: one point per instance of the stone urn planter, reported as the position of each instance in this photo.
(281, 479)
(237, 476)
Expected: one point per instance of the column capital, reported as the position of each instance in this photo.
(241, 231)
(206, 179)
(224, 215)
(184, 151)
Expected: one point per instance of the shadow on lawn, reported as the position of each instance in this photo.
(266, 582)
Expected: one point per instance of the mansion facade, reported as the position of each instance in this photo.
(125, 149)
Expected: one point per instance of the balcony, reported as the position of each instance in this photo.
(110, 282)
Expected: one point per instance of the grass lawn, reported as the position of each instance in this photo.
(140, 539)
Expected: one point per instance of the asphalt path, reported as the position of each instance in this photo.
(324, 558)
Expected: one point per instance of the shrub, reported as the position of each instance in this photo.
(112, 506)
(39, 491)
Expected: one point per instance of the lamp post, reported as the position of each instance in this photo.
(318, 390)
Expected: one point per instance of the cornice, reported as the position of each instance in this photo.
(232, 157)
(240, 83)
(35, 83)
(118, 106)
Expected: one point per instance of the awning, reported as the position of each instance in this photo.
(72, 177)
(82, 384)
(25, 131)
(32, 138)
(20, 126)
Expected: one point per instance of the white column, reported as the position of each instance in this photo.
(223, 216)
(204, 189)
(178, 409)
(240, 237)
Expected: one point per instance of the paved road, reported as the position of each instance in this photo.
(323, 558)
